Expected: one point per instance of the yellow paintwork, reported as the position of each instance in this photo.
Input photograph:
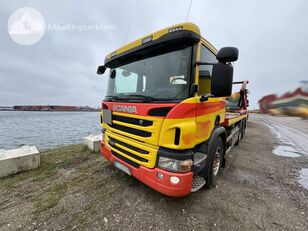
(163, 130)
(204, 86)
(186, 125)
(194, 130)
(154, 129)
(155, 35)
(209, 46)
(235, 119)
(151, 157)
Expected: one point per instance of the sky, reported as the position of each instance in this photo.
(61, 68)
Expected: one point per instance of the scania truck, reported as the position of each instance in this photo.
(169, 118)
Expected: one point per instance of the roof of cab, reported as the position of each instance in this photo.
(156, 35)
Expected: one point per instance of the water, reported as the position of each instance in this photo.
(46, 129)
(291, 131)
(303, 178)
(286, 151)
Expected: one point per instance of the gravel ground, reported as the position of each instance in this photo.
(76, 189)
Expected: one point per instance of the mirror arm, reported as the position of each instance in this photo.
(203, 63)
(205, 97)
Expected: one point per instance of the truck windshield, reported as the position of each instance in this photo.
(163, 77)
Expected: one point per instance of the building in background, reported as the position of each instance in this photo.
(294, 103)
(265, 103)
(52, 108)
(6, 108)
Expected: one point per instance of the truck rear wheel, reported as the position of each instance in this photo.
(216, 158)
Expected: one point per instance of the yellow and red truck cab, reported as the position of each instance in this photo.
(164, 117)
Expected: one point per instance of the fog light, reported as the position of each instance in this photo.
(160, 175)
(174, 180)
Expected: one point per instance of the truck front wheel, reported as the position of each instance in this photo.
(216, 158)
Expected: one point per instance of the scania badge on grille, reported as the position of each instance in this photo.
(140, 122)
(124, 108)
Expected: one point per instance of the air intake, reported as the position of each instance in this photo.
(161, 111)
(177, 136)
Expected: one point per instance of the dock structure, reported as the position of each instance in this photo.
(93, 142)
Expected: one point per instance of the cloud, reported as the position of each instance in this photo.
(60, 68)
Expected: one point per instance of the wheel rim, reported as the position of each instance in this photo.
(216, 164)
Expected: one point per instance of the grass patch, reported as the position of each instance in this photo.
(10, 181)
(59, 211)
(67, 156)
(52, 160)
(50, 198)
(46, 186)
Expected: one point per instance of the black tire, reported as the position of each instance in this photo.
(216, 160)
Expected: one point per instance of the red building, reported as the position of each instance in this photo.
(288, 101)
(266, 102)
(46, 108)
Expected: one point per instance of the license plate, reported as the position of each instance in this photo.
(122, 167)
(107, 116)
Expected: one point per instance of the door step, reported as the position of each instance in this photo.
(199, 158)
(197, 183)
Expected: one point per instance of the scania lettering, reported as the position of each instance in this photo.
(169, 117)
(122, 108)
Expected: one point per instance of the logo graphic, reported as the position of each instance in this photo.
(26, 26)
(122, 108)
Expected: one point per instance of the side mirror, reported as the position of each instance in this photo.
(222, 75)
(222, 78)
(227, 54)
(101, 70)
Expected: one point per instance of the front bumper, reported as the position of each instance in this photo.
(149, 176)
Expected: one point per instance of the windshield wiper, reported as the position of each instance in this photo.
(123, 97)
(140, 96)
(112, 97)
(144, 97)
(130, 97)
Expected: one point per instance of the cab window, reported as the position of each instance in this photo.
(205, 71)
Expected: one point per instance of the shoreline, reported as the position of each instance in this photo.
(75, 188)
(45, 111)
(46, 130)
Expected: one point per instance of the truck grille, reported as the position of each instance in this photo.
(129, 146)
(113, 143)
(132, 163)
(131, 150)
(134, 137)
(131, 130)
(130, 120)
(138, 127)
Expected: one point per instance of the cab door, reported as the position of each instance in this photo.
(213, 108)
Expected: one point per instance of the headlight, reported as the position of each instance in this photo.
(174, 165)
